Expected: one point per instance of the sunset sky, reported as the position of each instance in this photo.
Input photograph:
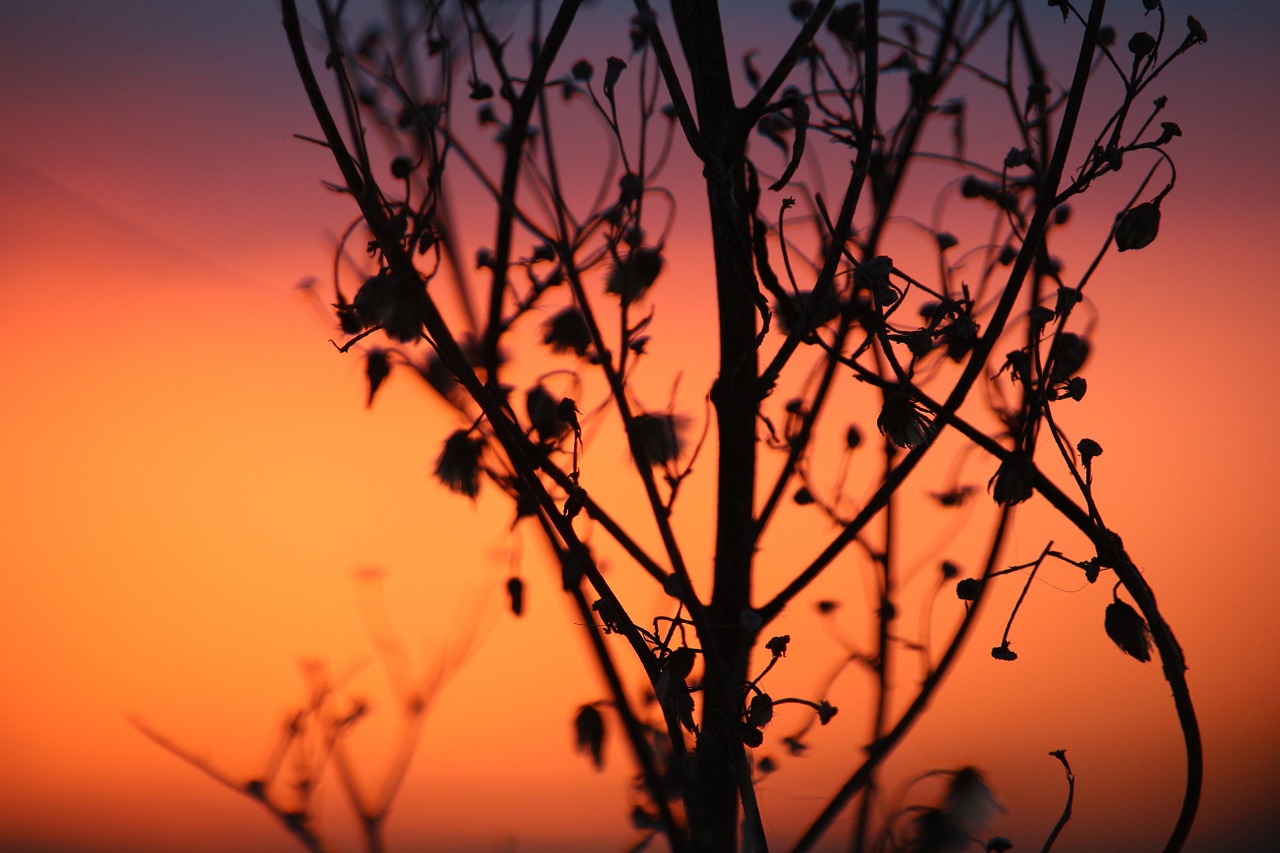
(195, 498)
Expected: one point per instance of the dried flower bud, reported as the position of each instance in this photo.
(777, 646)
(1195, 31)
(902, 421)
(1138, 226)
(802, 306)
(969, 589)
(1075, 388)
(1040, 315)
(1089, 450)
(1017, 157)
(852, 437)
(658, 433)
(826, 711)
(612, 71)
(803, 497)
(458, 466)
(1067, 299)
(845, 23)
(1014, 481)
(760, 711)
(401, 167)
(544, 414)
(970, 801)
(635, 274)
(582, 70)
(1168, 130)
(801, 9)
(566, 331)
(1070, 352)
(515, 596)
(1128, 630)
(1141, 44)
(588, 727)
(1003, 652)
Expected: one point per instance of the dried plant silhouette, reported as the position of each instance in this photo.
(878, 194)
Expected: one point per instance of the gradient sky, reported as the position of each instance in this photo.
(192, 482)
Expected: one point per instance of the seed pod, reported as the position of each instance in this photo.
(1128, 630)
(515, 592)
(1138, 226)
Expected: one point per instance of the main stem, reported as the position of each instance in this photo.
(721, 764)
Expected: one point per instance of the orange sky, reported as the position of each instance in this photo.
(191, 483)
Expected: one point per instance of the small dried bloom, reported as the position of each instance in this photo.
(970, 801)
(544, 414)
(1138, 226)
(1003, 652)
(1195, 31)
(1128, 630)
(1168, 130)
(969, 589)
(566, 331)
(582, 70)
(777, 646)
(1014, 481)
(845, 23)
(1070, 352)
(802, 306)
(1141, 44)
(458, 466)
(760, 712)
(1089, 450)
(658, 433)
(612, 71)
(902, 421)
(960, 334)
(396, 302)
(1067, 299)
(635, 273)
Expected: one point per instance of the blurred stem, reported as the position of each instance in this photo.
(878, 751)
